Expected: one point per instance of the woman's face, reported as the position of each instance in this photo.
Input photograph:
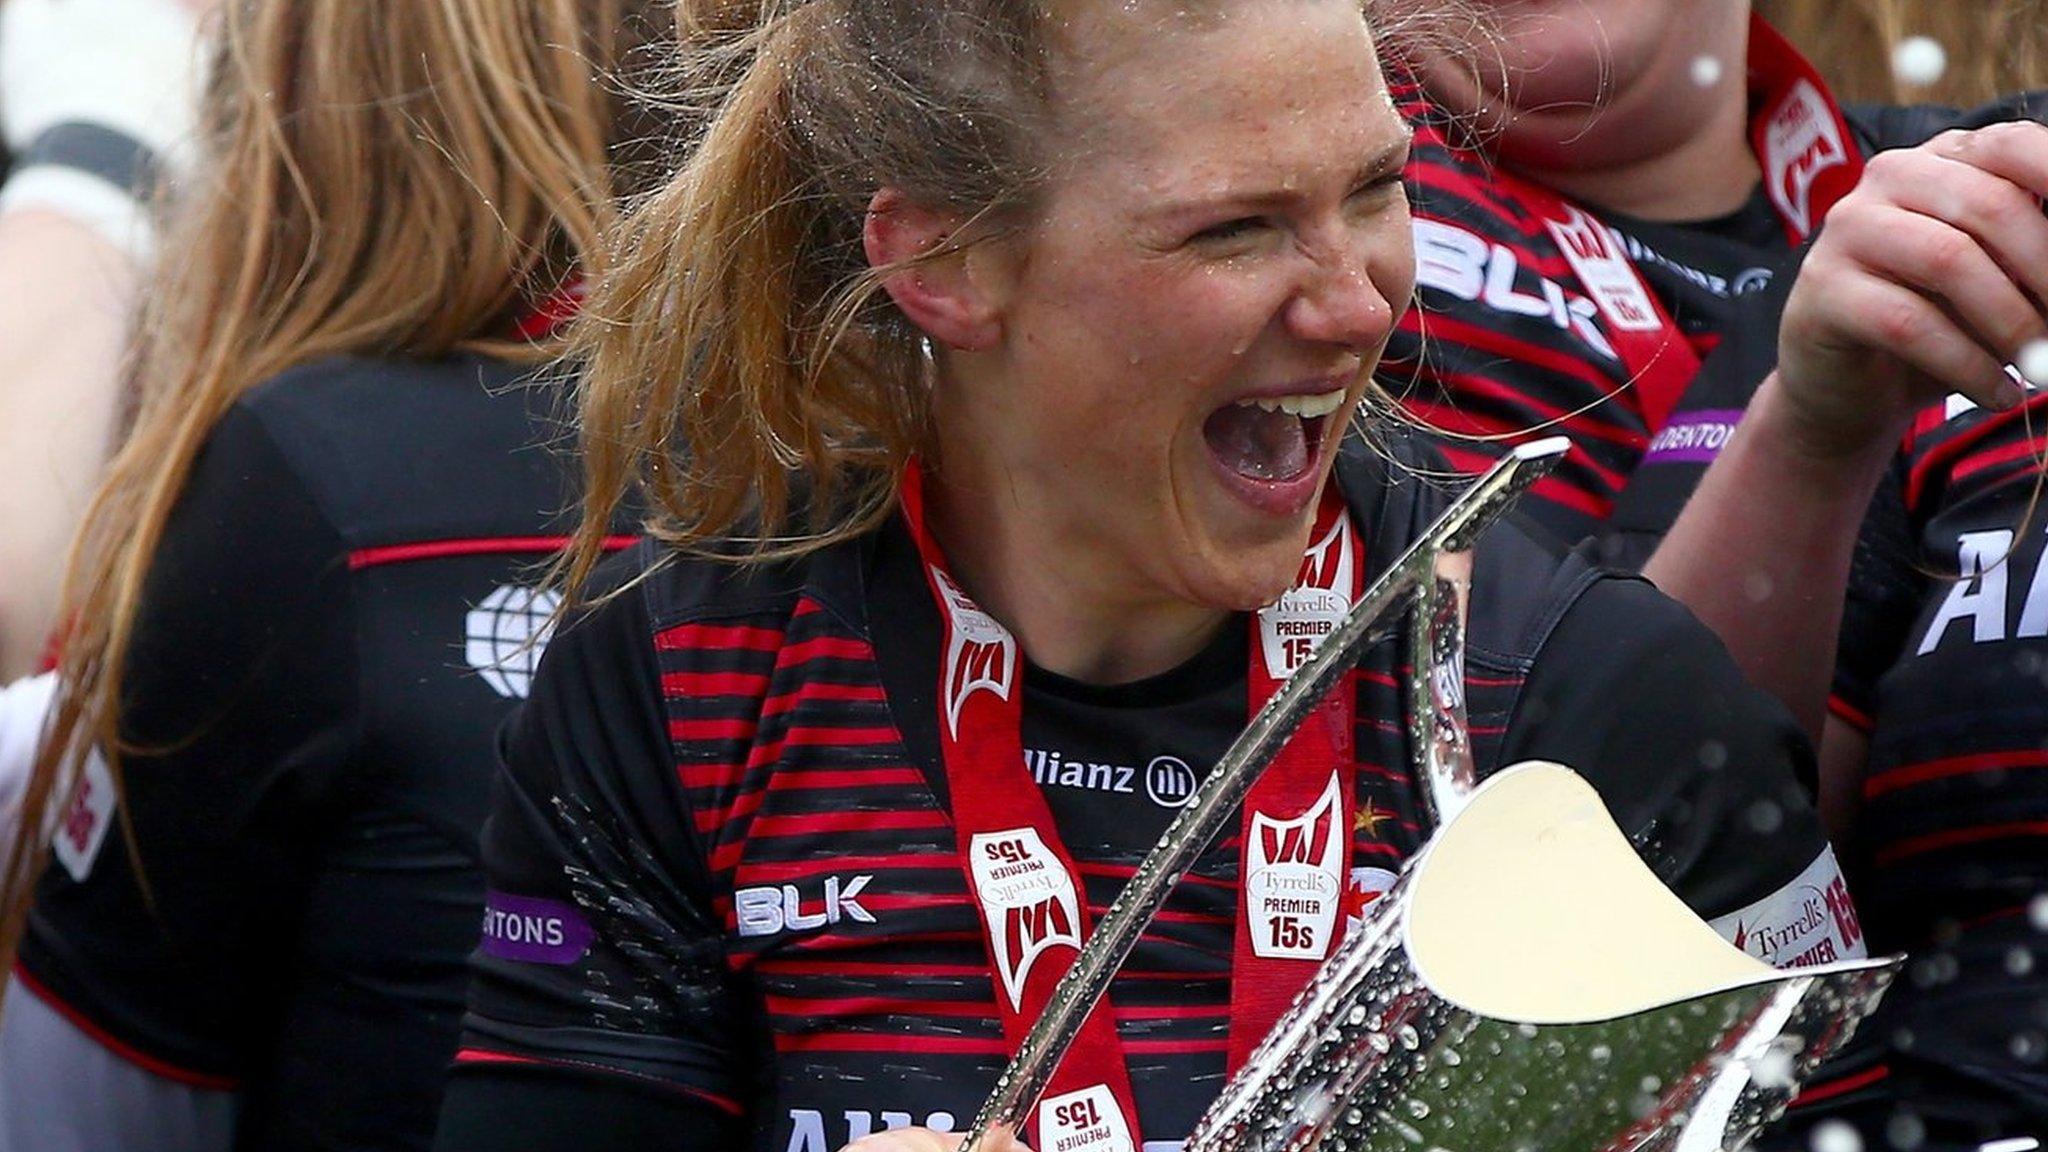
(1194, 313)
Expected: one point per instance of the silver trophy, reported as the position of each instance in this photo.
(1466, 1013)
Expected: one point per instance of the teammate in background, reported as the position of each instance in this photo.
(299, 599)
(96, 101)
(1980, 51)
(1019, 346)
(1605, 190)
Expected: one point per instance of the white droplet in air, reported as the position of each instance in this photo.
(1905, 1131)
(1706, 71)
(2037, 912)
(2033, 362)
(1772, 1069)
(1835, 1136)
(1919, 61)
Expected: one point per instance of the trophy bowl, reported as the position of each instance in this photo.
(1529, 983)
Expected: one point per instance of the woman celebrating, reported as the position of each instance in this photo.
(298, 608)
(990, 369)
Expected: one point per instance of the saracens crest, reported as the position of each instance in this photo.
(1292, 626)
(1294, 879)
(980, 653)
(1028, 900)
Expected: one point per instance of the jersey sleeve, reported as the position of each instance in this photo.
(1709, 777)
(1883, 598)
(602, 958)
(239, 702)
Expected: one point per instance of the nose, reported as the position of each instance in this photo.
(1343, 298)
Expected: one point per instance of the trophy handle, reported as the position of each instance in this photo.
(1450, 779)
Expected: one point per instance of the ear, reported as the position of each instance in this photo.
(950, 299)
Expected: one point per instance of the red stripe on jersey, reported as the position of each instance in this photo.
(784, 965)
(381, 554)
(711, 729)
(782, 702)
(1943, 457)
(824, 648)
(1125, 872)
(480, 1056)
(691, 637)
(808, 779)
(827, 823)
(889, 1042)
(1935, 841)
(1142, 1012)
(1438, 328)
(1849, 714)
(857, 968)
(1815, 1093)
(2029, 451)
(895, 862)
(808, 737)
(1176, 1047)
(675, 684)
(719, 776)
(1550, 488)
(1464, 384)
(126, 1052)
(1893, 779)
(830, 1006)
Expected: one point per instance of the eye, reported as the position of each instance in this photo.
(1376, 189)
(1230, 231)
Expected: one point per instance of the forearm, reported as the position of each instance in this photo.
(1761, 553)
(70, 296)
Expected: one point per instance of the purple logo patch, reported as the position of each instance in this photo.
(1693, 437)
(534, 931)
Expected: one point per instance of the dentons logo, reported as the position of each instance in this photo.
(767, 910)
(1291, 627)
(1800, 143)
(1293, 879)
(504, 634)
(1027, 900)
(1168, 780)
(980, 655)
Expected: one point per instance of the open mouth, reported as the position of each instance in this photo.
(1272, 439)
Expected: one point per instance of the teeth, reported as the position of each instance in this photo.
(1306, 405)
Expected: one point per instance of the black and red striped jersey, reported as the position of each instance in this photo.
(723, 865)
(1505, 344)
(335, 623)
(1948, 672)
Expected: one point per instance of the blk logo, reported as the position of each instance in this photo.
(773, 909)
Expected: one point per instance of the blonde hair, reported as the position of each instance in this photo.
(382, 177)
(1994, 47)
(740, 340)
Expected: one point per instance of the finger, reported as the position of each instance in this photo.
(1874, 312)
(2016, 151)
(1949, 265)
(2004, 218)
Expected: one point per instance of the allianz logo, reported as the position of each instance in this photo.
(1167, 780)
